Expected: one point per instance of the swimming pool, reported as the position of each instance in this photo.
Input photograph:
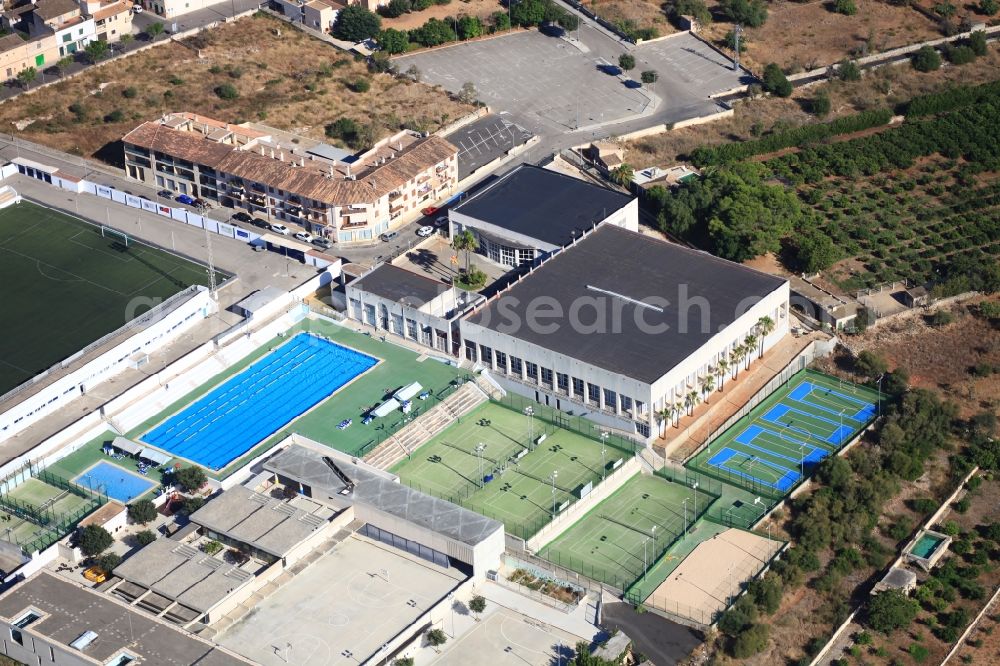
(926, 546)
(246, 409)
(116, 482)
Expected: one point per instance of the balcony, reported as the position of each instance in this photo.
(348, 224)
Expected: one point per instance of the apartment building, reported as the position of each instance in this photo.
(315, 14)
(281, 177)
(66, 20)
(111, 19)
(18, 54)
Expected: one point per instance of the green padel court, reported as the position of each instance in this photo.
(516, 491)
(66, 285)
(776, 445)
(607, 543)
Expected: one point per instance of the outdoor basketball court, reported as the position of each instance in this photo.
(510, 639)
(488, 462)
(625, 534)
(707, 580)
(341, 609)
(777, 444)
(69, 282)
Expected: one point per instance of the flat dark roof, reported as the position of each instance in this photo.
(614, 269)
(400, 285)
(71, 610)
(543, 204)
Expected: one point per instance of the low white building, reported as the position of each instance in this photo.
(530, 212)
(619, 326)
(412, 306)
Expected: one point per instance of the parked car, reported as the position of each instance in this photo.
(424, 232)
(166, 194)
(263, 224)
(243, 217)
(430, 210)
(388, 236)
(185, 199)
(441, 222)
(304, 236)
(280, 229)
(136, 8)
(201, 203)
(324, 243)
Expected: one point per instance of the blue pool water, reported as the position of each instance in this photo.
(246, 409)
(118, 483)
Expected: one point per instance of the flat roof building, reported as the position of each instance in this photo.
(621, 325)
(530, 212)
(51, 620)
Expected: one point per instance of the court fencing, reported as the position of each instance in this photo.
(53, 525)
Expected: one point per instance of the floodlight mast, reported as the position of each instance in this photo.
(737, 30)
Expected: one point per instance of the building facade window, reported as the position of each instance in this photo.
(610, 400)
(515, 366)
(486, 355)
(547, 377)
(531, 370)
(594, 393)
(578, 388)
(562, 382)
(470, 350)
(501, 365)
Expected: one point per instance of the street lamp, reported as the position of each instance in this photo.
(479, 451)
(694, 487)
(604, 450)
(553, 476)
(686, 516)
(878, 407)
(529, 411)
(645, 565)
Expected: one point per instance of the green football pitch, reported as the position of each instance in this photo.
(782, 439)
(521, 493)
(626, 533)
(65, 286)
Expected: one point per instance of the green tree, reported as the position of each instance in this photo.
(812, 251)
(848, 70)
(751, 13)
(568, 21)
(626, 62)
(354, 23)
(527, 13)
(192, 504)
(650, 76)
(403, 661)
(959, 55)
(153, 30)
(142, 511)
(63, 64)
(27, 76)
(477, 604)
(926, 59)
(583, 657)
(190, 478)
(845, 7)
(945, 9)
(94, 540)
(500, 21)
(977, 42)
(469, 27)
(436, 638)
(468, 93)
(751, 641)
(96, 50)
(393, 41)
(466, 243)
(870, 365)
(820, 104)
(622, 175)
(145, 537)
(433, 33)
(775, 81)
(891, 610)
(988, 7)
(696, 8)
(395, 8)
(108, 561)
(126, 38)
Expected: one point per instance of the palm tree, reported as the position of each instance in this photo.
(707, 384)
(765, 326)
(665, 415)
(749, 344)
(678, 410)
(622, 175)
(721, 368)
(465, 241)
(738, 354)
(691, 399)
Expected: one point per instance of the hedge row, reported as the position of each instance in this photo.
(800, 136)
(950, 99)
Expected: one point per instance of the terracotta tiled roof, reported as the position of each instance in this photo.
(111, 10)
(309, 181)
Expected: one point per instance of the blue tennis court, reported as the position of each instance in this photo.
(249, 407)
(116, 482)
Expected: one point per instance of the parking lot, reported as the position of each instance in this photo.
(534, 76)
(485, 140)
(552, 86)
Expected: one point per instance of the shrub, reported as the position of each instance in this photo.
(696, 8)
(751, 13)
(849, 71)
(820, 104)
(918, 653)
(436, 638)
(130, 93)
(845, 7)
(977, 42)
(926, 59)
(227, 91)
(751, 641)
(775, 81)
(235, 73)
(891, 610)
(192, 504)
(115, 116)
(988, 7)
(941, 318)
(626, 61)
(145, 537)
(108, 561)
(360, 86)
(960, 55)
(212, 547)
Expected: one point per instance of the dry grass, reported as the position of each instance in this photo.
(480, 8)
(643, 13)
(291, 81)
(885, 86)
(807, 35)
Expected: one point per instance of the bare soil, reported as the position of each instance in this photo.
(292, 82)
(803, 36)
(480, 8)
(886, 86)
